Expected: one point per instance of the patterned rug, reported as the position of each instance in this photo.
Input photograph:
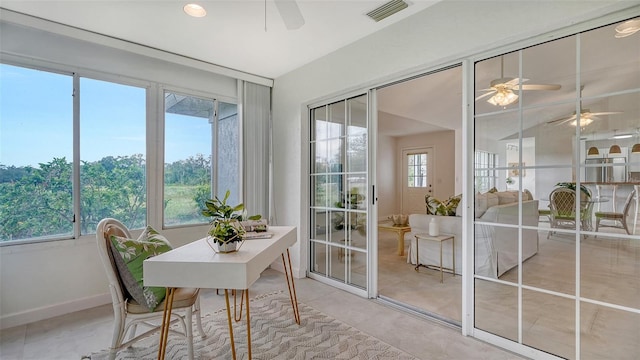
(274, 335)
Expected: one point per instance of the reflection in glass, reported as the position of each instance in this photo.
(497, 83)
(496, 247)
(318, 258)
(548, 323)
(496, 309)
(318, 224)
(610, 269)
(337, 262)
(338, 183)
(581, 133)
(608, 333)
(358, 275)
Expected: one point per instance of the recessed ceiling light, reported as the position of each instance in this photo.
(195, 10)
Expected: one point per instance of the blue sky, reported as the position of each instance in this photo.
(36, 120)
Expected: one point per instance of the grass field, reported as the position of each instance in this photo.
(180, 207)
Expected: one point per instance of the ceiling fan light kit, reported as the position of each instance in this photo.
(628, 28)
(503, 97)
(503, 89)
(593, 151)
(584, 121)
(635, 149)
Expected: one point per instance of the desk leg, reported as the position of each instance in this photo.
(237, 317)
(291, 286)
(233, 344)
(166, 322)
(246, 292)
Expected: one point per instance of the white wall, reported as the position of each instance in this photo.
(443, 145)
(388, 203)
(441, 34)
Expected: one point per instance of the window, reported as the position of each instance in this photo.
(485, 176)
(112, 154)
(417, 170)
(190, 125)
(36, 150)
(37, 190)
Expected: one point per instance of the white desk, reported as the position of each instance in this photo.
(197, 265)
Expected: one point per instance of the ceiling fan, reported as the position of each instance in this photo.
(586, 116)
(289, 12)
(504, 89)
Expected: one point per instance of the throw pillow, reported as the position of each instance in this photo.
(129, 254)
(452, 204)
(443, 208)
(434, 206)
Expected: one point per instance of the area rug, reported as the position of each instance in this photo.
(274, 335)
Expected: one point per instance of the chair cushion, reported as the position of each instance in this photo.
(129, 255)
(183, 297)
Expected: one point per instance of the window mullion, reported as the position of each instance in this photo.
(76, 155)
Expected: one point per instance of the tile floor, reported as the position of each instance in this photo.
(81, 333)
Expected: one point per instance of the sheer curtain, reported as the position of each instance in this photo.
(256, 147)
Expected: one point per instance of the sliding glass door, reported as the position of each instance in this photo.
(548, 275)
(339, 183)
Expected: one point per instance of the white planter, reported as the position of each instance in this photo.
(225, 247)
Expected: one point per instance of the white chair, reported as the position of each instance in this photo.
(619, 220)
(607, 191)
(127, 312)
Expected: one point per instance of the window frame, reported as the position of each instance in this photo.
(154, 138)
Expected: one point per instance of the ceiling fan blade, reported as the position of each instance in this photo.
(538, 87)
(606, 113)
(491, 92)
(561, 120)
(290, 13)
(513, 84)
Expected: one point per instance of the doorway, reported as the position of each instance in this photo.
(418, 153)
(417, 179)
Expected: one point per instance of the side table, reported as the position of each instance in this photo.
(400, 230)
(440, 239)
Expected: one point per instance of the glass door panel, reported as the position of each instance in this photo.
(338, 196)
(574, 139)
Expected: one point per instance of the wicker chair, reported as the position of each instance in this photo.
(562, 208)
(617, 219)
(127, 312)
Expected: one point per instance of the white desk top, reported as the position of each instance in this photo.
(197, 265)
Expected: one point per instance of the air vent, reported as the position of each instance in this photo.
(387, 10)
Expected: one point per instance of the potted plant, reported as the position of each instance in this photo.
(226, 230)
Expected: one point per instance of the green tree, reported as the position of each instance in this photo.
(40, 202)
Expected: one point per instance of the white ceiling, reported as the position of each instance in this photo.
(233, 32)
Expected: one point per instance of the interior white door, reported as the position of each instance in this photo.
(417, 179)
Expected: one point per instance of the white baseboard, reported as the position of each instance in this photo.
(47, 312)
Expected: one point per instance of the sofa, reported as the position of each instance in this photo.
(496, 247)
